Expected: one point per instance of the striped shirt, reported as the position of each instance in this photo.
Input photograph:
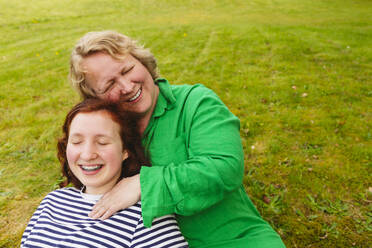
(61, 220)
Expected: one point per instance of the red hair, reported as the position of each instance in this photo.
(130, 138)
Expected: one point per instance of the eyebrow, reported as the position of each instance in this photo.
(97, 136)
(106, 84)
(127, 66)
(121, 69)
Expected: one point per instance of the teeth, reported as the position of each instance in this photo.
(91, 168)
(136, 95)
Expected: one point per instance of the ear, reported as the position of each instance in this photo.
(125, 155)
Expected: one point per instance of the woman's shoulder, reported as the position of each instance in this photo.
(191, 89)
(64, 193)
(134, 212)
(164, 232)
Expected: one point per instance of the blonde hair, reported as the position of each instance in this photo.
(112, 43)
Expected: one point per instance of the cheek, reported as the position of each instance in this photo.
(113, 157)
(71, 154)
(144, 76)
(138, 75)
(114, 96)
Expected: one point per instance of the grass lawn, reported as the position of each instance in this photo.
(298, 74)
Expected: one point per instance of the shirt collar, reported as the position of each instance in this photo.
(166, 99)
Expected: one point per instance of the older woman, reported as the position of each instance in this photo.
(100, 146)
(193, 140)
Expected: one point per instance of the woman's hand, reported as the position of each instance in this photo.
(125, 193)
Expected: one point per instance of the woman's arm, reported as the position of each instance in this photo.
(214, 166)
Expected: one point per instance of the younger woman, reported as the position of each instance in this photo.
(100, 146)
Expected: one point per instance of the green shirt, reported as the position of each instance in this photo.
(197, 171)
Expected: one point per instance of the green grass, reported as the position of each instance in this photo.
(297, 73)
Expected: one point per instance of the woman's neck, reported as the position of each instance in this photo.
(98, 190)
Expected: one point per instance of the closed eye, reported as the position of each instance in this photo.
(108, 87)
(103, 141)
(76, 142)
(126, 70)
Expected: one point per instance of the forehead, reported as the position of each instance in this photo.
(97, 59)
(99, 68)
(94, 123)
(97, 62)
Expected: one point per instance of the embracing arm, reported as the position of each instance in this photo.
(214, 165)
(213, 168)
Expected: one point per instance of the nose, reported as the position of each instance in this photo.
(125, 85)
(88, 152)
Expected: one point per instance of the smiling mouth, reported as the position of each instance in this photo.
(136, 96)
(90, 168)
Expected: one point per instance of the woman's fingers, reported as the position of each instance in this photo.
(107, 206)
(108, 214)
(125, 193)
(97, 212)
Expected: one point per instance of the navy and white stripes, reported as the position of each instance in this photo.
(61, 220)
